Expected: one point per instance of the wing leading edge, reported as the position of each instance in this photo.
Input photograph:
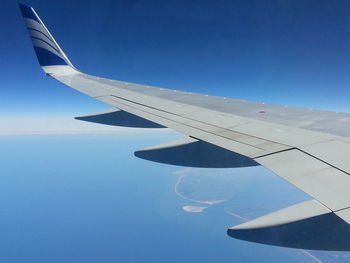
(292, 142)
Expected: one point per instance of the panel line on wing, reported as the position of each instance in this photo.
(186, 129)
(335, 167)
(264, 155)
(194, 121)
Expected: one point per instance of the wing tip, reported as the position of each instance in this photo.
(28, 12)
(46, 48)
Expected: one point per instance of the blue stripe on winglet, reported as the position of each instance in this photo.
(28, 12)
(47, 43)
(36, 30)
(46, 58)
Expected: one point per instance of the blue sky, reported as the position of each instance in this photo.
(293, 52)
(284, 52)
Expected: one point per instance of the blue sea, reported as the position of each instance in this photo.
(86, 198)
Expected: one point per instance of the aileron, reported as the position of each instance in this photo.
(326, 184)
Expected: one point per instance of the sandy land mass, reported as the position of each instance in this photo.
(193, 209)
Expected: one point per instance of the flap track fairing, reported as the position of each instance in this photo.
(116, 117)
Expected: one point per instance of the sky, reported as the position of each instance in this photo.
(293, 52)
(282, 52)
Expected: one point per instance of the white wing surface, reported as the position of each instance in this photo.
(308, 148)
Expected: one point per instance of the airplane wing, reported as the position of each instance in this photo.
(308, 148)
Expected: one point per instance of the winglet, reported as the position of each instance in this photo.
(46, 48)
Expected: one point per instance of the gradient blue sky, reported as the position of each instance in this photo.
(284, 52)
(293, 52)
